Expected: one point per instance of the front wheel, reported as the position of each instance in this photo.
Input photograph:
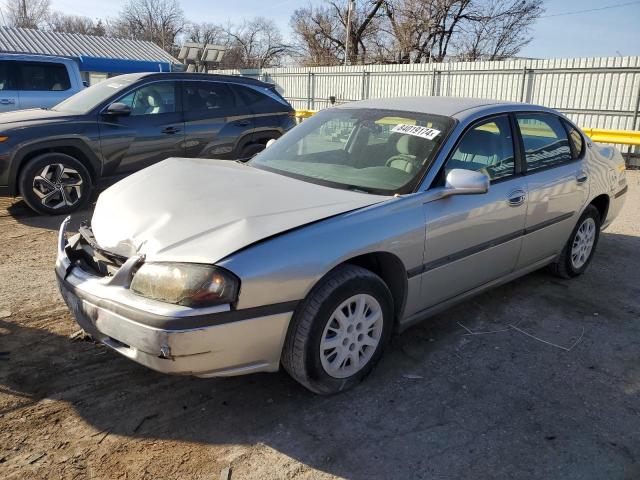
(581, 246)
(339, 331)
(55, 184)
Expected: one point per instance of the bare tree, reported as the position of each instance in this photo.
(59, 22)
(414, 31)
(27, 13)
(255, 43)
(502, 30)
(158, 21)
(321, 31)
(206, 33)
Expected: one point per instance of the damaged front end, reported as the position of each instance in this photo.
(170, 338)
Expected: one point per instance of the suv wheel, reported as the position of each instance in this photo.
(339, 331)
(55, 184)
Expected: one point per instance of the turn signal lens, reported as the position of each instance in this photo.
(3, 138)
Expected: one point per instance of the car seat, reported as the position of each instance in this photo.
(406, 153)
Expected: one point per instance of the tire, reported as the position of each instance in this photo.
(251, 151)
(315, 323)
(573, 262)
(55, 184)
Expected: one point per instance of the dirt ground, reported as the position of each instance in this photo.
(442, 404)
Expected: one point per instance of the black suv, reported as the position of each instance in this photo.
(54, 157)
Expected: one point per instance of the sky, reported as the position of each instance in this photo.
(608, 32)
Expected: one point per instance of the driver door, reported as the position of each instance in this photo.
(152, 132)
(474, 239)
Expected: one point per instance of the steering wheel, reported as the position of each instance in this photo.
(407, 159)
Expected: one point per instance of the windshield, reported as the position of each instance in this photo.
(376, 151)
(87, 99)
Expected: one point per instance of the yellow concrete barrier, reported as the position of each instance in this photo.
(624, 137)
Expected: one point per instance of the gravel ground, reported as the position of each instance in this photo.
(442, 404)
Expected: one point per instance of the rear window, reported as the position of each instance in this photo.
(260, 98)
(43, 77)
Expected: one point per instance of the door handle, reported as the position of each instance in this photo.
(582, 177)
(516, 198)
(170, 130)
(242, 123)
(7, 101)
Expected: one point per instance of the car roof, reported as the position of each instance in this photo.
(199, 76)
(30, 57)
(446, 106)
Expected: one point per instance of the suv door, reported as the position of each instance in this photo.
(272, 112)
(557, 184)
(9, 96)
(152, 132)
(215, 121)
(474, 239)
(42, 84)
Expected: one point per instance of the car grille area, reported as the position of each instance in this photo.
(84, 252)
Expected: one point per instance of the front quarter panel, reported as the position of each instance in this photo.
(285, 268)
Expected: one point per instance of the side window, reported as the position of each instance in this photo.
(43, 77)
(487, 147)
(6, 77)
(207, 96)
(577, 143)
(545, 140)
(152, 99)
(258, 100)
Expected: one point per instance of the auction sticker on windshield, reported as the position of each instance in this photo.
(423, 132)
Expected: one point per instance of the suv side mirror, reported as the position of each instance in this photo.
(466, 182)
(119, 109)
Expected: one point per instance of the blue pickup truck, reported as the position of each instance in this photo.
(36, 81)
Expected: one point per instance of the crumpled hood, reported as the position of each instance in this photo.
(201, 210)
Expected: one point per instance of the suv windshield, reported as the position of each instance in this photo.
(377, 151)
(86, 100)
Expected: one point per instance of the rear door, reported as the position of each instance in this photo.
(271, 112)
(557, 182)
(42, 84)
(474, 239)
(152, 132)
(215, 120)
(9, 95)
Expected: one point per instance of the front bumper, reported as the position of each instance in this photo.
(215, 341)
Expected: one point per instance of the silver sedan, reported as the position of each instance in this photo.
(361, 221)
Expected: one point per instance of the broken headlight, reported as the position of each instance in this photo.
(188, 284)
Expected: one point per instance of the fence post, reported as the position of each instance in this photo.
(309, 90)
(634, 124)
(364, 94)
(433, 82)
(524, 86)
(313, 91)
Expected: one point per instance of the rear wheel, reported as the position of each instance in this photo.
(581, 246)
(55, 184)
(339, 331)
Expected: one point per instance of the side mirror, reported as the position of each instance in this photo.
(119, 109)
(270, 142)
(466, 182)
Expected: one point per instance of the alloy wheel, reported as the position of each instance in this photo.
(583, 243)
(58, 186)
(351, 336)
